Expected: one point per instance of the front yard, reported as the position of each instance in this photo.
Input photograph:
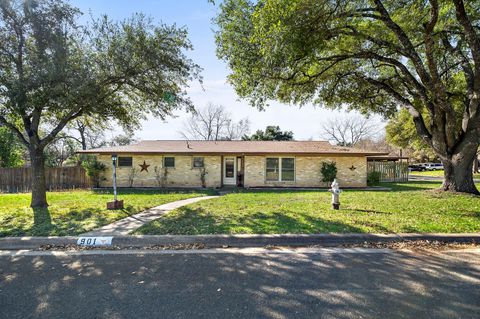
(409, 207)
(412, 207)
(75, 212)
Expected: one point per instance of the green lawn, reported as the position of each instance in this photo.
(412, 207)
(436, 173)
(75, 212)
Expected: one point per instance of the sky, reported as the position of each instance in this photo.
(196, 16)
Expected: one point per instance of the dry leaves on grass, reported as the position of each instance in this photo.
(417, 245)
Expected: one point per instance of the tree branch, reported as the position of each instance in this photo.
(404, 40)
(417, 116)
(472, 38)
(15, 130)
(63, 122)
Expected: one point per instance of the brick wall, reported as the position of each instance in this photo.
(307, 171)
(182, 175)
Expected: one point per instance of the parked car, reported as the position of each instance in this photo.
(433, 166)
(416, 168)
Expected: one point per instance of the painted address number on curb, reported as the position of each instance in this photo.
(94, 241)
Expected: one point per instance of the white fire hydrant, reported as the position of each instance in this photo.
(335, 190)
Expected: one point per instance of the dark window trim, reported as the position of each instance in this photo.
(164, 161)
(125, 157)
(193, 161)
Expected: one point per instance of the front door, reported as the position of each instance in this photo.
(229, 171)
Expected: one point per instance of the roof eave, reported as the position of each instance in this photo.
(229, 152)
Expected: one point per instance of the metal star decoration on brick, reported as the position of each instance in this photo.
(144, 167)
(352, 168)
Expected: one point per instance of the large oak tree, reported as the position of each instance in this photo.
(53, 71)
(375, 56)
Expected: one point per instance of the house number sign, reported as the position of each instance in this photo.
(94, 241)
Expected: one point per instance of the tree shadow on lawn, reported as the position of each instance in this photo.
(412, 186)
(398, 187)
(67, 224)
(72, 223)
(42, 222)
(194, 221)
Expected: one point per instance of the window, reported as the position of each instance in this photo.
(169, 162)
(288, 169)
(273, 172)
(125, 162)
(280, 169)
(198, 162)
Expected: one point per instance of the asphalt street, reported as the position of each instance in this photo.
(318, 283)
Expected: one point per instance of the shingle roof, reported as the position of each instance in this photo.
(231, 147)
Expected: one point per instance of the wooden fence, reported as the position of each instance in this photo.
(16, 180)
(390, 171)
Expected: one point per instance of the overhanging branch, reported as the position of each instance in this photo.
(14, 129)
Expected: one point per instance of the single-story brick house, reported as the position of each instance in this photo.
(235, 163)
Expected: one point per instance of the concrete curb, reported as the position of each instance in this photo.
(325, 240)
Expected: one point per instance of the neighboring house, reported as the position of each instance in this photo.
(235, 163)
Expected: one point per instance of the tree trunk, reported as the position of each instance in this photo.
(39, 188)
(458, 172)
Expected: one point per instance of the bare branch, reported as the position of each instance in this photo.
(214, 123)
(349, 130)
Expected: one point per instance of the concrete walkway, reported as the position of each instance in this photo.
(129, 224)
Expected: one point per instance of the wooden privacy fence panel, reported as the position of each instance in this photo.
(19, 179)
(390, 171)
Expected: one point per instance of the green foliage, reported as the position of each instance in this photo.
(271, 133)
(11, 150)
(113, 70)
(373, 178)
(328, 171)
(54, 70)
(94, 169)
(328, 52)
(401, 132)
(372, 56)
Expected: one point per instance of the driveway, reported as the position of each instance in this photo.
(310, 283)
(431, 178)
